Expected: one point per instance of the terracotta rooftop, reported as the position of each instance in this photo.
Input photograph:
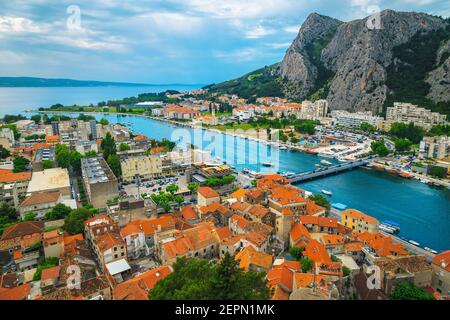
(207, 192)
(41, 198)
(50, 273)
(249, 256)
(22, 229)
(443, 260)
(7, 176)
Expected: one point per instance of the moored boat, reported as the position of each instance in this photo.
(328, 193)
(414, 243)
(326, 163)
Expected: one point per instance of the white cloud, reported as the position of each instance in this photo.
(292, 29)
(10, 24)
(280, 45)
(236, 56)
(259, 32)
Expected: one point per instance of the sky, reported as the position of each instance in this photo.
(164, 41)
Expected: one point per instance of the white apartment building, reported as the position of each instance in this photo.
(314, 110)
(407, 112)
(435, 147)
(349, 119)
(144, 166)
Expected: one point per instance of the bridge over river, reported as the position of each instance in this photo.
(322, 172)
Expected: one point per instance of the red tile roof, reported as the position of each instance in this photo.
(207, 192)
(41, 198)
(50, 273)
(188, 213)
(17, 293)
(7, 176)
(443, 260)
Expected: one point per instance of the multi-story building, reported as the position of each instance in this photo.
(99, 181)
(104, 237)
(314, 110)
(358, 221)
(41, 155)
(288, 205)
(435, 147)
(441, 273)
(143, 166)
(206, 196)
(39, 203)
(349, 119)
(84, 147)
(56, 179)
(55, 128)
(93, 128)
(13, 186)
(197, 242)
(407, 112)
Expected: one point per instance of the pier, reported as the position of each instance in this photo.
(319, 173)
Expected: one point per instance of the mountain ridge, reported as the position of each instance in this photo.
(360, 69)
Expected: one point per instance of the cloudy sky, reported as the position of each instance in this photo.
(163, 41)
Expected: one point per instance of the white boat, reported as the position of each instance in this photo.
(328, 193)
(283, 148)
(326, 155)
(431, 250)
(425, 181)
(326, 163)
(318, 166)
(414, 243)
(386, 229)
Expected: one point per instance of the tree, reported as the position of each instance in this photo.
(320, 200)
(104, 122)
(379, 148)
(307, 264)
(198, 279)
(8, 216)
(114, 164)
(409, 291)
(402, 145)
(47, 164)
(108, 146)
(296, 252)
(20, 164)
(409, 131)
(60, 211)
(193, 187)
(172, 188)
(438, 171)
(74, 222)
(4, 153)
(229, 282)
(75, 161)
(367, 127)
(90, 154)
(62, 155)
(30, 216)
(47, 264)
(124, 147)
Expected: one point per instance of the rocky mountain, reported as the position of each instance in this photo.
(359, 68)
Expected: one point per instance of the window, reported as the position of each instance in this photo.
(115, 256)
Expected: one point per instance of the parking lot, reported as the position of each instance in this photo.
(150, 186)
